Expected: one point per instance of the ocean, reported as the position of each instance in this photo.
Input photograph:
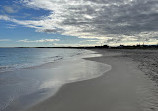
(16, 58)
(31, 75)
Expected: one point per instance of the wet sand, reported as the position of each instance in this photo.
(124, 88)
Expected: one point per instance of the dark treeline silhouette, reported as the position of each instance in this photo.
(107, 47)
(126, 47)
(136, 47)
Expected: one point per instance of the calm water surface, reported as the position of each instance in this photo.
(30, 75)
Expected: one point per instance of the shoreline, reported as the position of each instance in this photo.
(47, 79)
(115, 90)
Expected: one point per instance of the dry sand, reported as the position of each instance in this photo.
(124, 88)
(147, 61)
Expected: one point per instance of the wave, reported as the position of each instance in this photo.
(40, 62)
(14, 67)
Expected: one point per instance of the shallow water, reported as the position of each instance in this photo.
(16, 58)
(24, 87)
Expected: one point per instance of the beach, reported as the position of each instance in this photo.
(124, 88)
(42, 73)
(79, 55)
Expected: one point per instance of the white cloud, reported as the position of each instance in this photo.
(38, 41)
(4, 17)
(72, 45)
(110, 21)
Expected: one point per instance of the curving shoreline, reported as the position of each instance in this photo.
(47, 79)
(124, 88)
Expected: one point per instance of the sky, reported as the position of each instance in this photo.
(53, 23)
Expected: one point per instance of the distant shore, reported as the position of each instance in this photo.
(124, 88)
(137, 46)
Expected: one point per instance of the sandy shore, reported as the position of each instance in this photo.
(124, 88)
(147, 61)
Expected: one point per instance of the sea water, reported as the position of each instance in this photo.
(30, 75)
(15, 58)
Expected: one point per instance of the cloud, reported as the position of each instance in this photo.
(4, 40)
(112, 21)
(10, 9)
(27, 23)
(11, 26)
(4, 17)
(38, 41)
(72, 45)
